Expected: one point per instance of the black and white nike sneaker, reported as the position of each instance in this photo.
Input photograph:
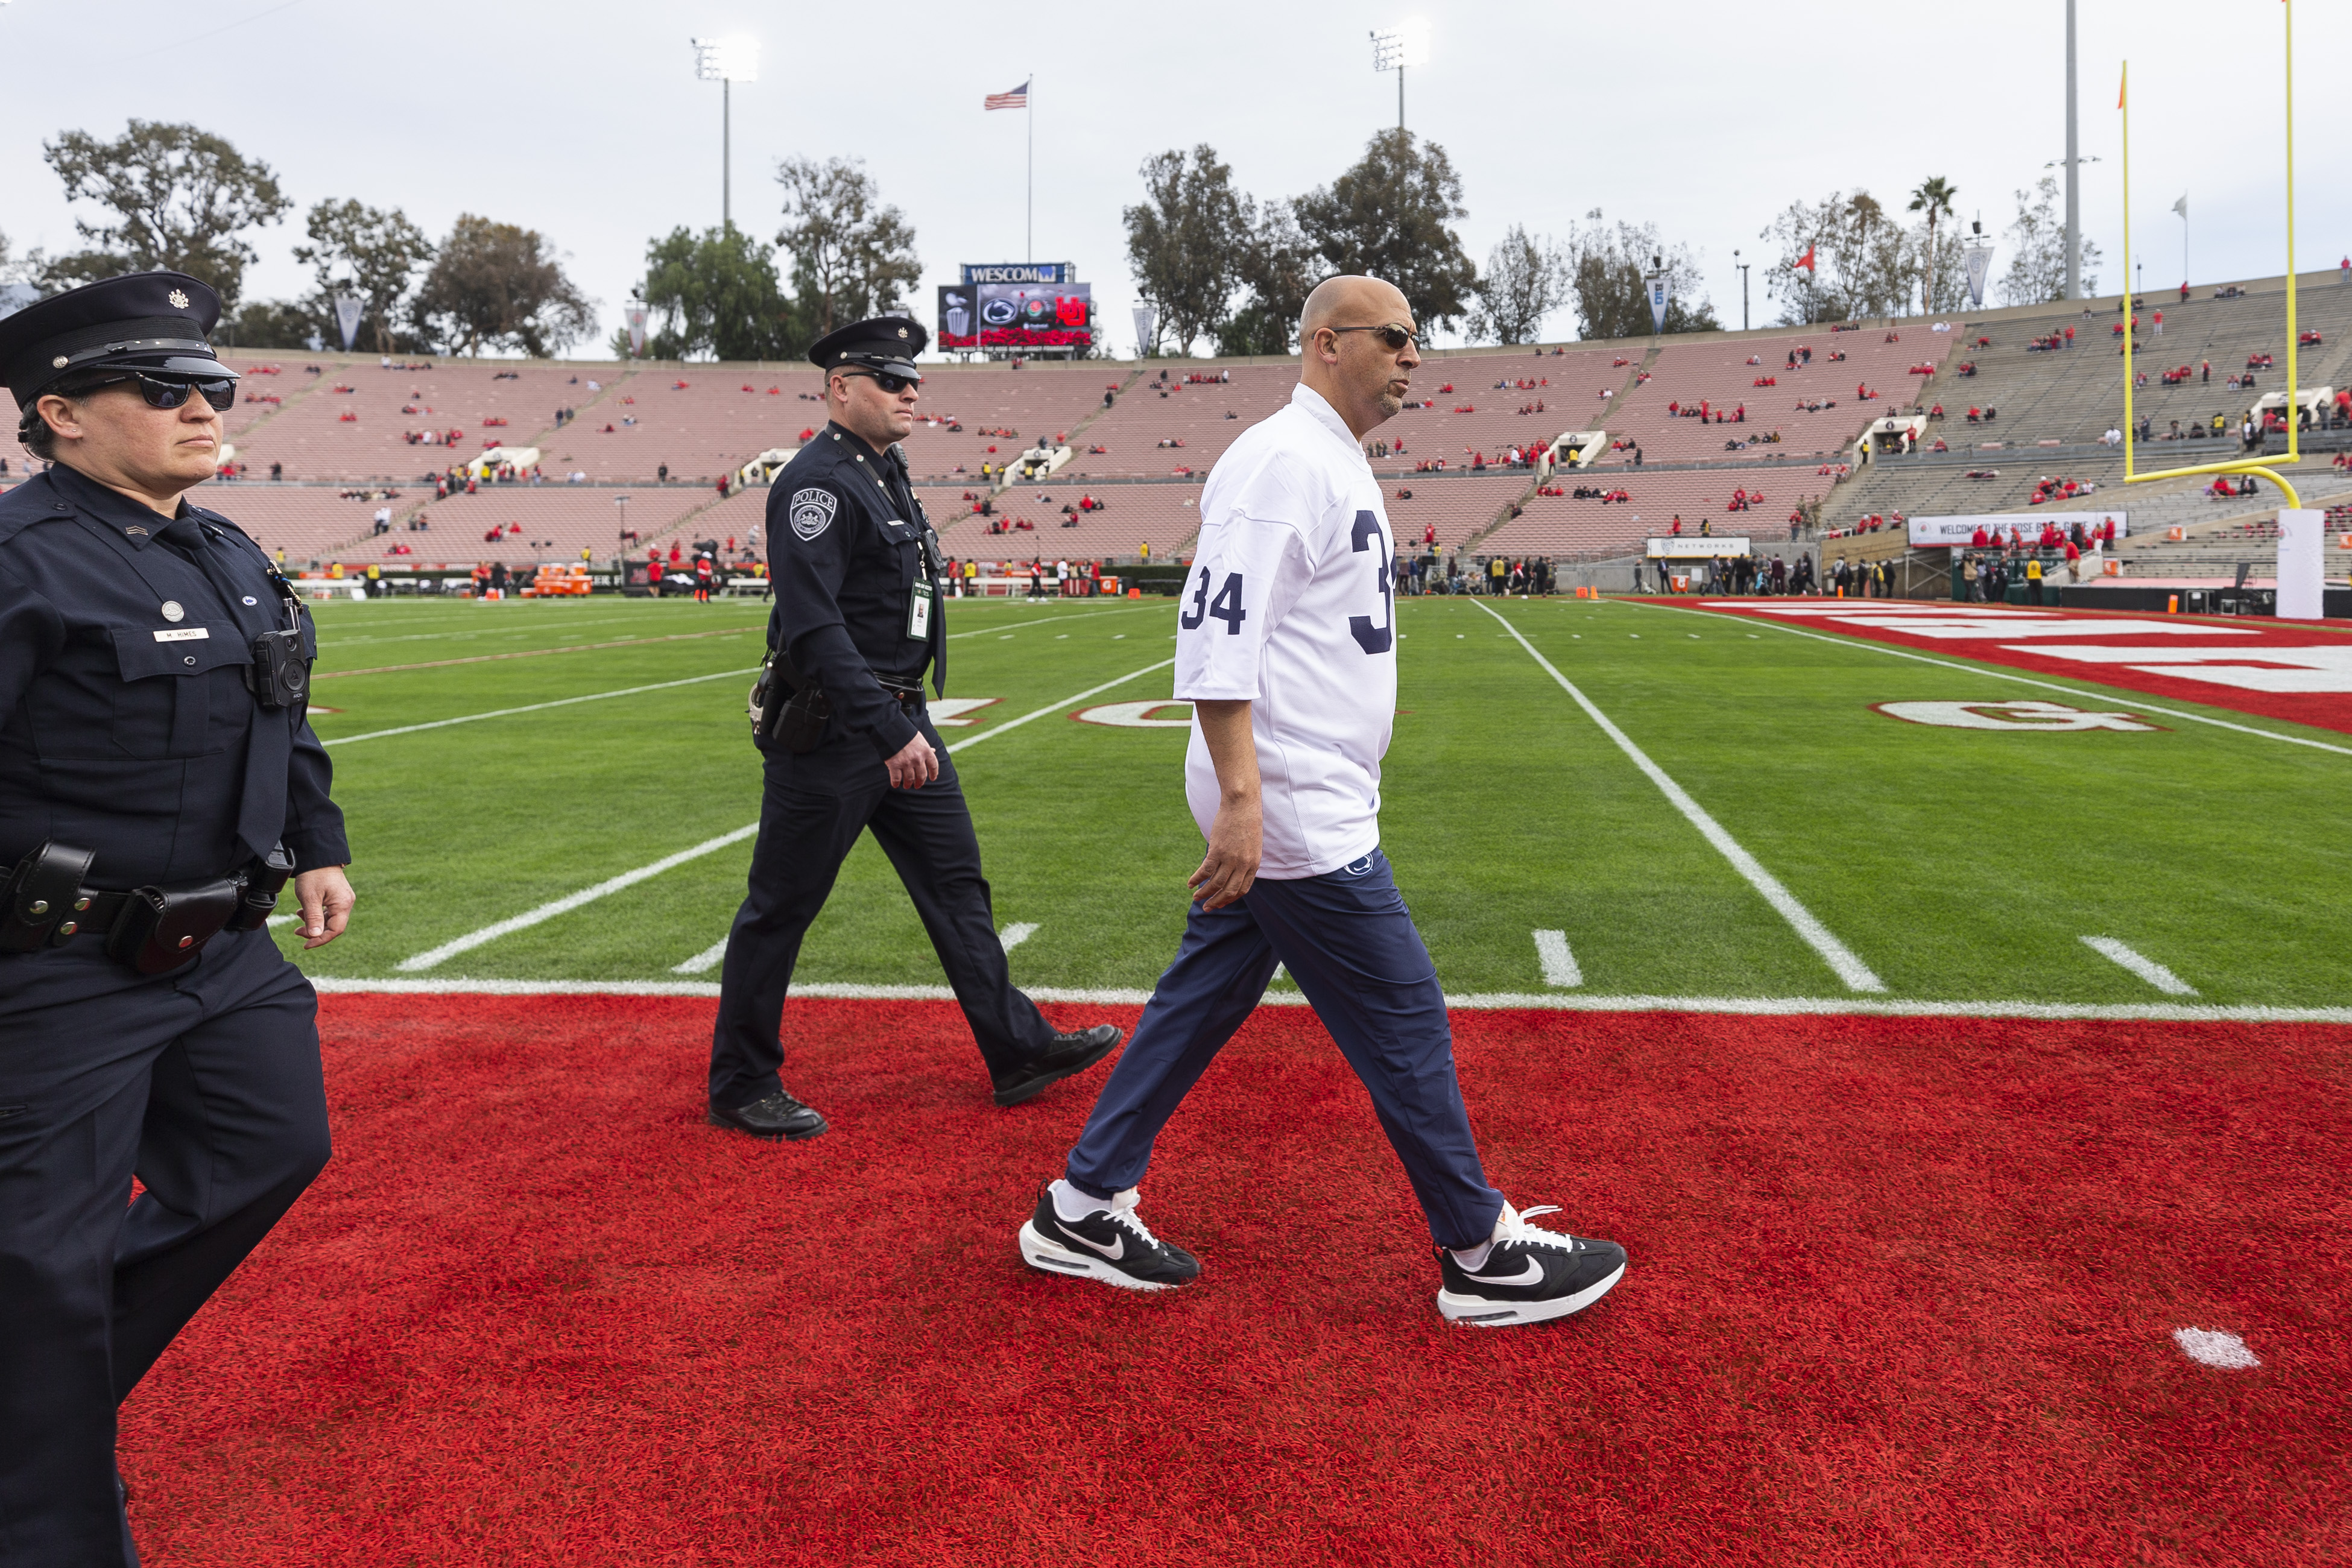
(1110, 1244)
(1529, 1275)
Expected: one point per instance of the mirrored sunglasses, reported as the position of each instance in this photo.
(161, 392)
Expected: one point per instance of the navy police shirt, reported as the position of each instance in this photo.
(126, 724)
(844, 553)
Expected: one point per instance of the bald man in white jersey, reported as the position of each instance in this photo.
(1287, 648)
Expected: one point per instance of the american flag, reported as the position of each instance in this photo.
(1017, 98)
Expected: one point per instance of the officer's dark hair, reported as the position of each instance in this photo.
(34, 432)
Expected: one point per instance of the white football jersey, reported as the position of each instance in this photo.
(1291, 606)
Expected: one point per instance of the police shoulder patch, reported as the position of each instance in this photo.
(812, 512)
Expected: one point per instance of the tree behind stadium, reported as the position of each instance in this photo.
(183, 199)
(717, 294)
(1387, 216)
(1608, 283)
(499, 285)
(2037, 251)
(1186, 241)
(1525, 279)
(373, 252)
(853, 256)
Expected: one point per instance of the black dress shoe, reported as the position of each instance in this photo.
(1067, 1055)
(778, 1115)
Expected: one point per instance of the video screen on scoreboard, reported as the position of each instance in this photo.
(1016, 316)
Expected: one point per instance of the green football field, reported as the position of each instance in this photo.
(495, 760)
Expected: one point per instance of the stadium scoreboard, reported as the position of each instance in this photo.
(1028, 307)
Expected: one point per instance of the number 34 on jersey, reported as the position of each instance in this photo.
(1373, 634)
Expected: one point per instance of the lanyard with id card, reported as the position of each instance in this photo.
(919, 610)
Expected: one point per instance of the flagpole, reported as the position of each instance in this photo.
(1029, 233)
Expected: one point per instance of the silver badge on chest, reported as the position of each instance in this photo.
(812, 512)
(172, 610)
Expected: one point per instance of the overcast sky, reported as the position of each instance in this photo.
(583, 119)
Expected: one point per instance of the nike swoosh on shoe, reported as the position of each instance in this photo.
(1118, 1248)
(1533, 1276)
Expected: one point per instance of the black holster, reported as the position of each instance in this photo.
(264, 881)
(787, 709)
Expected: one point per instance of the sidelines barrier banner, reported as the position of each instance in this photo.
(1694, 547)
(1928, 532)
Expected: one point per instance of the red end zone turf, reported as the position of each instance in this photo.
(1902, 1293)
(2300, 670)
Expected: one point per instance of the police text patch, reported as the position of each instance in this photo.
(813, 513)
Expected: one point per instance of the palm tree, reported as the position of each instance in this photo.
(1933, 197)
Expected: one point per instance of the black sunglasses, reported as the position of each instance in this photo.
(1393, 338)
(160, 394)
(887, 381)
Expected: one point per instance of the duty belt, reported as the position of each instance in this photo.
(154, 929)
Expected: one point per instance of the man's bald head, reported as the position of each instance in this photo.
(1352, 299)
(1357, 347)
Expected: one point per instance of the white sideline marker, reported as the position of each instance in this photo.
(2139, 964)
(430, 957)
(2216, 1347)
(707, 960)
(1477, 1001)
(538, 707)
(1842, 960)
(1558, 964)
(1016, 933)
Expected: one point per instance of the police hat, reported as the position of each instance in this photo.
(153, 321)
(885, 342)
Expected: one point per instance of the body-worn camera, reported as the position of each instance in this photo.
(280, 675)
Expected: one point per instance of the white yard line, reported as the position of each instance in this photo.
(708, 958)
(1488, 1001)
(1841, 959)
(570, 901)
(1016, 933)
(540, 707)
(2109, 696)
(1059, 707)
(1057, 620)
(2146, 968)
(1558, 964)
(432, 957)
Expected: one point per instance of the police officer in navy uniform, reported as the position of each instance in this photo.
(158, 783)
(848, 745)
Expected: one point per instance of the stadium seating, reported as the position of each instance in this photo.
(702, 422)
(1493, 422)
(1151, 411)
(1561, 525)
(1717, 374)
(308, 434)
(1164, 516)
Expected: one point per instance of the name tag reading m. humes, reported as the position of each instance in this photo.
(182, 633)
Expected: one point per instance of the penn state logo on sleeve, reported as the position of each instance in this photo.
(813, 513)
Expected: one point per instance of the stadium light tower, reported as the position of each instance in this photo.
(726, 61)
(1406, 44)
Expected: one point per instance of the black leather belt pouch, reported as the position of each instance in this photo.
(161, 929)
(40, 893)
